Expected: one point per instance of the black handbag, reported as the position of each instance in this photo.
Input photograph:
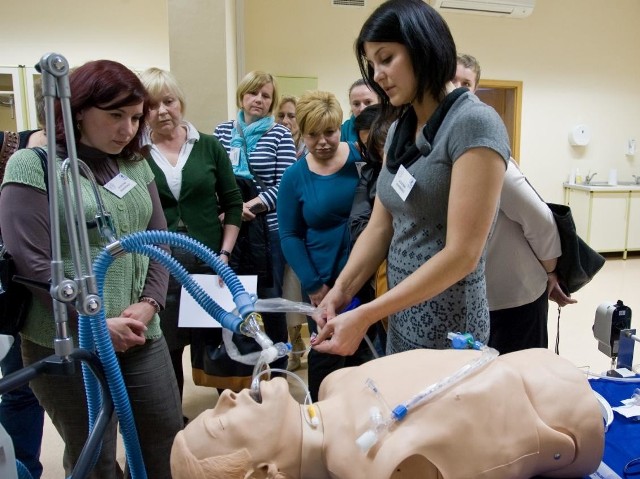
(251, 254)
(579, 262)
(211, 365)
(15, 297)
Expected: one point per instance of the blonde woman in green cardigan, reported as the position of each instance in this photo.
(109, 108)
(199, 196)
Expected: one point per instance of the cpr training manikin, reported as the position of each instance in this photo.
(520, 415)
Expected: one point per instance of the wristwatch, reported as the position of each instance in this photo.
(225, 252)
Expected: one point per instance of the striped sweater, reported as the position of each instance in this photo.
(273, 154)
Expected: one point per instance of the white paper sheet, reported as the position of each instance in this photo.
(191, 315)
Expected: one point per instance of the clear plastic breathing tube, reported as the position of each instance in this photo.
(381, 425)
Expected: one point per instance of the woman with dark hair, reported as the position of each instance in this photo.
(372, 130)
(437, 192)
(109, 106)
(360, 97)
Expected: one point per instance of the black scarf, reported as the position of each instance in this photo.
(405, 149)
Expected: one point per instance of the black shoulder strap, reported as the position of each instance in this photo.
(43, 162)
(403, 150)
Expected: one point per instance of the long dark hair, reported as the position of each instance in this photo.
(104, 84)
(371, 119)
(426, 36)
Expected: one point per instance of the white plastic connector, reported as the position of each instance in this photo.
(367, 440)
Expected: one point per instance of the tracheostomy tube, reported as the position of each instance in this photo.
(381, 425)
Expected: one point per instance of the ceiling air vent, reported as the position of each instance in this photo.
(502, 8)
(349, 3)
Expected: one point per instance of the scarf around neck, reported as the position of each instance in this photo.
(405, 149)
(245, 138)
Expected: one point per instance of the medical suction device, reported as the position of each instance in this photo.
(103, 379)
(616, 338)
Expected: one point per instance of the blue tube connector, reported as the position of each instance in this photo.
(464, 341)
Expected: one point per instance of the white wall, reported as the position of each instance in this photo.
(202, 46)
(133, 32)
(578, 61)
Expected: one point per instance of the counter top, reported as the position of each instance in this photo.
(601, 186)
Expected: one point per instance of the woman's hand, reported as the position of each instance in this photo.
(341, 335)
(251, 208)
(317, 296)
(125, 333)
(225, 259)
(141, 311)
(334, 300)
(555, 291)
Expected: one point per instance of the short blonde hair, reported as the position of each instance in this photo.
(288, 99)
(252, 82)
(155, 80)
(318, 111)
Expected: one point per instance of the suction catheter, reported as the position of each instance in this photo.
(104, 384)
(383, 422)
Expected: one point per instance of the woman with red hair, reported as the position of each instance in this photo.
(109, 107)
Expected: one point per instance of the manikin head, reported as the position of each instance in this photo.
(240, 436)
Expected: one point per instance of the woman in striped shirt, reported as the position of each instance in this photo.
(260, 151)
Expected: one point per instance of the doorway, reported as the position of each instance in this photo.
(506, 98)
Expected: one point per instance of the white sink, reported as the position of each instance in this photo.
(598, 183)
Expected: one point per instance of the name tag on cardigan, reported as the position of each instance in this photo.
(120, 185)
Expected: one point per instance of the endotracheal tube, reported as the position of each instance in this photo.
(381, 425)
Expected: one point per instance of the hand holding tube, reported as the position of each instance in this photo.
(343, 334)
(335, 300)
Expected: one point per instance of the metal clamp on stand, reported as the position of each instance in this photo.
(82, 289)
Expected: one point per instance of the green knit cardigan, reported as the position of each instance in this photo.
(126, 276)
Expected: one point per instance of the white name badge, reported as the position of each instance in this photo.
(234, 156)
(120, 185)
(403, 183)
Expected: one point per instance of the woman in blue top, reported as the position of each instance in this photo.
(315, 199)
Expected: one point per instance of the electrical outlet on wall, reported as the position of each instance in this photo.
(631, 147)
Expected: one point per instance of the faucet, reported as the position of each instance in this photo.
(589, 177)
(637, 179)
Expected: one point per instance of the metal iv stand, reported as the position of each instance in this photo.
(82, 290)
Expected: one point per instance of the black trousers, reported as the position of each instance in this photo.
(320, 365)
(522, 327)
